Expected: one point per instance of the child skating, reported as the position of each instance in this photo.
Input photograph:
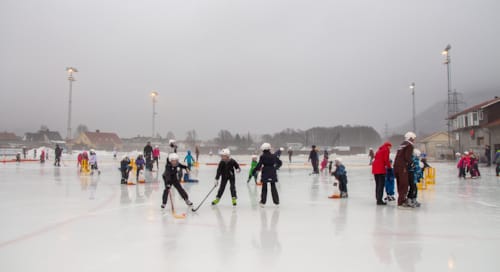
(225, 171)
(93, 162)
(267, 166)
(189, 159)
(340, 174)
(389, 183)
(415, 175)
(251, 173)
(171, 178)
(139, 162)
(125, 169)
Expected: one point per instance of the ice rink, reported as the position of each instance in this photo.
(53, 219)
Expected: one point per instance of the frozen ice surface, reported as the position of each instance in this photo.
(53, 219)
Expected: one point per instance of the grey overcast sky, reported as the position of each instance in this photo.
(253, 65)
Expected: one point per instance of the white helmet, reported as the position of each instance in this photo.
(458, 154)
(466, 153)
(410, 136)
(225, 152)
(254, 157)
(282, 149)
(173, 157)
(156, 146)
(265, 146)
(171, 141)
(338, 159)
(124, 157)
(417, 152)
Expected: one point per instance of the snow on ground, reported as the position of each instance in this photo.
(56, 220)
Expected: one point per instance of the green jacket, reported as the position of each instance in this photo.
(252, 167)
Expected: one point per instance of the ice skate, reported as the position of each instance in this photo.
(188, 202)
(234, 201)
(163, 206)
(262, 205)
(216, 201)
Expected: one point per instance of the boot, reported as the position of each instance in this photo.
(216, 201)
(188, 202)
(234, 201)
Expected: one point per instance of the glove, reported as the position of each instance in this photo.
(216, 182)
(238, 170)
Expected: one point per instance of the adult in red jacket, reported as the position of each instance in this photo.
(379, 168)
(402, 162)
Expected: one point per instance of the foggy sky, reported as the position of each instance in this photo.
(257, 66)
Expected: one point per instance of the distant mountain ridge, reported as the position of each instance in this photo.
(432, 119)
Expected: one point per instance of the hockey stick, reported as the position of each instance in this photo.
(201, 203)
(177, 216)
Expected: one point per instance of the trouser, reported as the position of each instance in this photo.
(149, 163)
(315, 167)
(402, 180)
(138, 171)
(179, 189)
(254, 176)
(125, 173)
(498, 169)
(57, 162)
(389, 187)
(290, 158)
(274, 193)
(223, 184)
(461, 172)
(412, 193)
(155, 160)
(343, 184)
(379, 187)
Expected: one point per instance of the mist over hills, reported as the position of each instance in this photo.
(432, 118)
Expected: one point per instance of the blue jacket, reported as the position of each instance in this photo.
(189, 158)
(416, 170)
(389, 175)
(340, 171)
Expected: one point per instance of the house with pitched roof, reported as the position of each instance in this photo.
(99, 140)
(43, 136)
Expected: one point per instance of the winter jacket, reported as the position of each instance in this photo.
(340, 171)
(267, 164)
(93, 159)
(171, 174)
(415, 169)
(139, 162)
(189, 158)
(389, 175)
(125, 164)
(156, 153)
(148, 151)
(382, 161)
(226, 169)
(313, 156)
(252, 167)
(58, 152)
(404, 156)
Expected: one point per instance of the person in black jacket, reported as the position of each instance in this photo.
(313, 158)
(58, 152)
(171, 178)
(148, 155)
(225, 171)
(268, 163)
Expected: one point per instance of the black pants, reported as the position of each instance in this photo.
(315, 167)
(125, 173)
(498, 169)
(274, 192)
(412, 193)
(155, 159)
(379, 187)
(342, 184)
(57, 162)
(149, 163)
(179, 189)
(223, 184)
